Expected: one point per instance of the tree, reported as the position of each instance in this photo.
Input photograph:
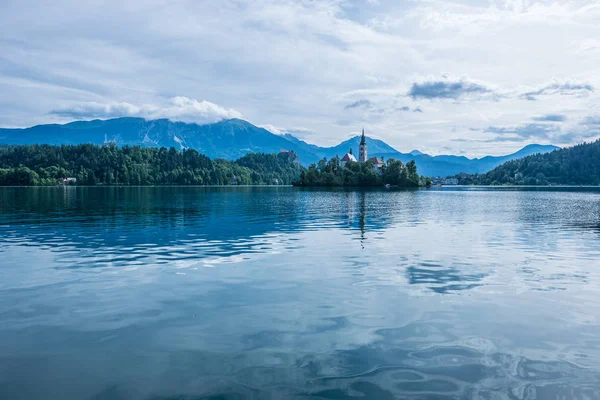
(91, 178)
(92, 165)
(577, 165)
(331, 173)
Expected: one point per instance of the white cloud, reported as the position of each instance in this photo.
(504, 12)
(179, 109)
(288, 63)
(587, 45)
(98, 110)
(191, 110)
(558, 88)
(298, 132)
(272, 129)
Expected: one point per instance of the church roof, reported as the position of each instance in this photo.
(376, 161)
(362, 139)
(348, 157)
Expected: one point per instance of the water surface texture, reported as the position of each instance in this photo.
(277, 293)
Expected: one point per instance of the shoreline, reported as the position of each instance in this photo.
(317, 187)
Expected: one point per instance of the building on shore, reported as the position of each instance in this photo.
(66, 181)
(439, 180)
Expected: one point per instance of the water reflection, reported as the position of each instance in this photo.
(441, 279)
(218, 222)
(266, 293)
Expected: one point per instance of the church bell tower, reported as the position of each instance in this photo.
(362, 149)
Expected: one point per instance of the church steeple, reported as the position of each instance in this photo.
(362, 149)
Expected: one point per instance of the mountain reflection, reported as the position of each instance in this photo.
(166, 215)
(266, 293)
(222, 224)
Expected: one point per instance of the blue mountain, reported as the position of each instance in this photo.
(373, 145)
(231, 139)
(445, 165)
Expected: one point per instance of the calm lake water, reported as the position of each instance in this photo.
(277, 293)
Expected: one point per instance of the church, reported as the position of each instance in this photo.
(376, 163)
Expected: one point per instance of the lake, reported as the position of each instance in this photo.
(278, 293)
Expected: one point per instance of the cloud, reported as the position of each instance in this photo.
(407, 109)
(178, 109)
(526, 131)
(589, 45)
(443, 89)
(298, 132)
(358, 104)
(563, 89)
(272, 128)
(551, 118)
(480, 17)
(592, 120)
(586, 129)
(554, 133)
(98, 110)
(250, 57)
(578, 134)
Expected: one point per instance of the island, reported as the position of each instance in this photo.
(364, 172)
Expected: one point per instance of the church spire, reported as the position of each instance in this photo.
(362, 148)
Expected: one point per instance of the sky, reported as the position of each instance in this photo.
(470, 77)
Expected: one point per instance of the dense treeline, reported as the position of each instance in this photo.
(36, 165)
(331, 173)
(578, 165)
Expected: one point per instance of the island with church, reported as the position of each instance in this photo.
(364, 172)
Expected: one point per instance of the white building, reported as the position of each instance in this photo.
(348, 157)
(377, 164)
(67, 181)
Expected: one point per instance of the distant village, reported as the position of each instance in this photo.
(438, 180)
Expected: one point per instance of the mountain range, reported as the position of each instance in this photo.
(233, 138)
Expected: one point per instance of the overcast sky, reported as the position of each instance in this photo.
(467, 77)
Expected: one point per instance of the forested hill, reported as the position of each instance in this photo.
(134, 165)
(578, 165)
(234, 138)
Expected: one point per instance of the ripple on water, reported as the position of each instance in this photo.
(196, 293)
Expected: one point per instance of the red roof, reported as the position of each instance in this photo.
(348, 157)
(376, 161)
